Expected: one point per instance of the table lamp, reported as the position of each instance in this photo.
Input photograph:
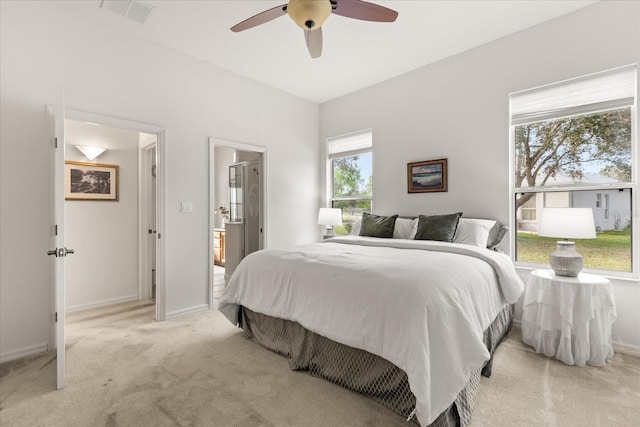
(329, 217)
(567, 223)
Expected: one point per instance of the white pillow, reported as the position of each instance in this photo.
(355, 228)
(474, 232)
(414, 229)
(404, 227)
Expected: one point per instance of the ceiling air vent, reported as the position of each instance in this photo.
(135, 10)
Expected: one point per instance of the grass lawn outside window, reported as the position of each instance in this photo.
(610, 250)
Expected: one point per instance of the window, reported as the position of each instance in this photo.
(350, 172)
(573, 146)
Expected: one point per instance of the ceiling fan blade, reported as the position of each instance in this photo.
(314, 42)
(365, 11)
(260, 18)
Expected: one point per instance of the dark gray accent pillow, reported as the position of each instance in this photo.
(437, 227)
(496, 234)
(377, 226)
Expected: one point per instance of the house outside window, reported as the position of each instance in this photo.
(573, 145)
(350, 161)
(529, 209)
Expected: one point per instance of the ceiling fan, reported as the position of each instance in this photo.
(311, 14)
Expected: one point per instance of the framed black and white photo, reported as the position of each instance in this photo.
(90, 181)
(429, 176)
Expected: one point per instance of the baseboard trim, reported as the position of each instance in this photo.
(186, 311)
(631, 350)
(102, 303)
(27, 351)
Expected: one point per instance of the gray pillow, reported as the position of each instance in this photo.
(437, 227)
(496, 234)
(377, 226)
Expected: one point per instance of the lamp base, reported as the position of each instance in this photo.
(565, 261)
(329, 232)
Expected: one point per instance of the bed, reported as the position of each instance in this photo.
(409, 323)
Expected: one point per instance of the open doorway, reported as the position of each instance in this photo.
(117, 240)
(237, 207)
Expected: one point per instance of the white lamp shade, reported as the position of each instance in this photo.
(330, 216)
(89, 151)
(567, 223)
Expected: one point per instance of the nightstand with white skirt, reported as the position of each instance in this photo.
(569, 318)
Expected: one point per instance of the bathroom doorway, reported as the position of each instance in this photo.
(237, 224)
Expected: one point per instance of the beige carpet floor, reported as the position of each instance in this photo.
(124, 369)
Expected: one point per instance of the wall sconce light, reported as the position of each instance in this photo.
(89, 151)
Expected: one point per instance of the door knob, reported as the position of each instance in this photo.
(53, 252)
(69, 251)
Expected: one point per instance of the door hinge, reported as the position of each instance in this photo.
(55, 142)
(56, 230)
(56, 317)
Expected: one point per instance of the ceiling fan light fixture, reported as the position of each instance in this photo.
(309, 14)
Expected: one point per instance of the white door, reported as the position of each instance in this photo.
(58, 251)
(153, 241)
(147, 224)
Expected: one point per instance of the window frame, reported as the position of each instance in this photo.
(632, 185)
(330, 157)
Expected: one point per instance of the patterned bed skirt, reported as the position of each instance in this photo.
(361, 371)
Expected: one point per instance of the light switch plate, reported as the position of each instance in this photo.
(186, 207)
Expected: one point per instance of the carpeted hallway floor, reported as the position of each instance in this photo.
(124, 369)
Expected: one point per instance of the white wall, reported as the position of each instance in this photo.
(104, 234)
(44, 45)
(458, 108)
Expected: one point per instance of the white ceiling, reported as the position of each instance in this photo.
(356, 53)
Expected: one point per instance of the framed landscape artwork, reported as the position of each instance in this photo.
(429, 176)
(90, 181)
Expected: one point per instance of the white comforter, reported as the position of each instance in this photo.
(422, 305)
